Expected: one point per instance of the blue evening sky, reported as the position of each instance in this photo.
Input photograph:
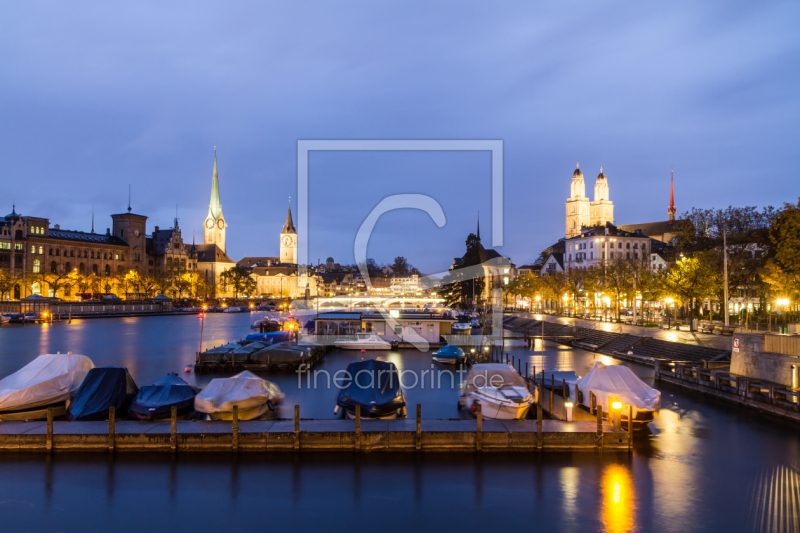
(99, 95)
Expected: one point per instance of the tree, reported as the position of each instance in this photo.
(127, 282)
(574, 282)
(464, 283)
(785, 236)
(183, 283)
(7, 282)
(239, 279)
(401, 266)
(689, 281)
(56, 282)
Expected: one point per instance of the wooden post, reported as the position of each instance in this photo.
(358, 427)
(296, 427)
(49, 429)
(526, 370)
(235, 429)
(630, 428)
(564, 389)
(539, 417)
(479, 429)
(173, 429)
(418, 441)
(111, 431)
(599, 420)
(551, 402)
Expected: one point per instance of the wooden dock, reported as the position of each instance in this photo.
(312, 435)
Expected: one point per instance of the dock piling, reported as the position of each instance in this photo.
(539, 416)
(173, 429)
(418, 440)
(49, 429)
(111, 429)
(630, 428)
(235, 429)
(358, 427)
(296, 427)
(599, 421)
(479, 429)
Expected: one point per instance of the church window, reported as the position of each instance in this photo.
(37, 266)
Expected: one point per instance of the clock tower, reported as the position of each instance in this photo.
(214, 227)
(289, 241)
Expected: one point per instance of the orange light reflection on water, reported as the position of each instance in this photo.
(619, 502)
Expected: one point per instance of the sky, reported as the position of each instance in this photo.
(97, 96)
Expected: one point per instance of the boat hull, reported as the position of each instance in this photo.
(37, 413)
(498, 411)
(243, 414)
(449, 360)
(357, 346)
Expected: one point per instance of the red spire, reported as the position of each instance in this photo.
(671, 211)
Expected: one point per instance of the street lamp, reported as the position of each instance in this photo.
(668, 302)
(785, 303)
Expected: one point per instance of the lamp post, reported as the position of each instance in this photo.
(668, 301)
(785, 303)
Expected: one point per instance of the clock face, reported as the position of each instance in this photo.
(287, 240)
(221, 223)
(210, 223)
(136, 232)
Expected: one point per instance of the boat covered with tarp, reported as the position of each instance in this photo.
(375, 386)
(215, 355)
(50, 380)
(156, 400)
(605, 384)
(449, 354)
(253, 395)
(103, 387)
(500, 391)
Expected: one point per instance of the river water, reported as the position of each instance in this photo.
(702, 466)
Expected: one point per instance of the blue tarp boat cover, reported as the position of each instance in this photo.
(375, 385)
(449, 351)
(271, 337)
(103, 387)
(155, 401)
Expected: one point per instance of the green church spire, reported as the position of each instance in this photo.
(214, 208)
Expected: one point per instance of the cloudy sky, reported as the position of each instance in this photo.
(97, 96)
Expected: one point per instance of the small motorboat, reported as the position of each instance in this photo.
(559, 377)
(5, 318)
(605, 384)
(48, 381)
(215, 355)
(463, 325)
(20, 318)
(498, 389)
(476, 322)
(375, 386)
(267, 324)
(449, 354)
(253, 395)
(363, 341)
(155, 401)
(103, 388)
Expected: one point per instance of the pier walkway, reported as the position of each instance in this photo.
(312, 435)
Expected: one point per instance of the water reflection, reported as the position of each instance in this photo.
(619, 502)
(775, 501)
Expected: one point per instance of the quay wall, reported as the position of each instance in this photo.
(749, 359)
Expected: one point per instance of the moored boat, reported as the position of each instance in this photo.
(606, 384)
(156, 400)
(103, 387)
(253, 395)
(375, 386)
(363, 341)
(498, 389)
(449, 354)
(50, 380)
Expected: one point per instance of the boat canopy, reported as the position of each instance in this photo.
(270, 337)
(449, 350)
(374, 385)
(155, 400)
(611, 383)
(48, 379)
(244, 389)
(102, 388)
(493, 375)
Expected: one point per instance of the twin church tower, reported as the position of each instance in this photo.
(583, 213)
(215, 226)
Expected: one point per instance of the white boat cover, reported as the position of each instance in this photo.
(492, 375)
(245, 390)
(48, 379)
(616, 383)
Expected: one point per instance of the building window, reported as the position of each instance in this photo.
(108, 270)
(68, 267)
(41, 250)
(116, 257)
(36, 288)
(81, 269)
(628, 245)
(58, 252)
(19, 246)
(591, 255)
(5, 245)
(53, 267)
(94, 269)
(37, 266)
(33, 249)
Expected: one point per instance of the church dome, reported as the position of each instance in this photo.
(577, 173)
(601, 176)
(12, 215)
